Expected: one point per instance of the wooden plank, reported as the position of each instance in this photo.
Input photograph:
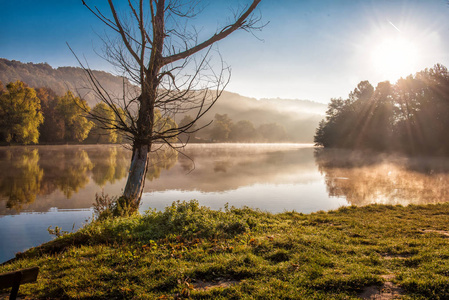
(26, 276)
(16, 285)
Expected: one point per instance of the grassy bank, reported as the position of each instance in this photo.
(193, 252)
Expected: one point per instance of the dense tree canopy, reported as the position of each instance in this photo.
(243, 131)
(65, 121)
(272, 132)
(225, 130)
(53, 129)
(20, 114)
(103, 133)
(410, 116)
(31, 116)
(221, 128)
(183, 136)
(72, 110)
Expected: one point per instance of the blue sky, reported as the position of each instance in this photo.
(309, 50)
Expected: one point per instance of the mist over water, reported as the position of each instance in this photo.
(367, 178)
(45, 186)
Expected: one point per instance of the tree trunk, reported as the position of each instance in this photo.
(137, 173)
(139, 52)
(141, 148)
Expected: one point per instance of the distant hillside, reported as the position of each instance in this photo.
(299, 117)
(59, 80)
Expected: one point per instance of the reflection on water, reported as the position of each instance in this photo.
(225, 167)
(39, 178)
(275, 178)
(365, 178)
(66, 177)
(56, 185)
(21, 177)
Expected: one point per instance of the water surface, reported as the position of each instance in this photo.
(46, 186)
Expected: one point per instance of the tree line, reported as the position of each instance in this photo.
(411, 116)
(32, 116)
(223, 129)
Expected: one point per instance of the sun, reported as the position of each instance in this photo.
(394, 57)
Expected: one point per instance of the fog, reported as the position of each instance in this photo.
(44, 178)
(300, 118)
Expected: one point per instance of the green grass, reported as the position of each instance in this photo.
(324, 255)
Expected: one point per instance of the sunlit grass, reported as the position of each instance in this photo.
(247, 254)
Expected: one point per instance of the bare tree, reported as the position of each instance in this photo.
(172, 69)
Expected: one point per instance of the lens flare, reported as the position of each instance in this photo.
(394, 58)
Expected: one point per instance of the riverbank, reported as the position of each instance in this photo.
(188, 251)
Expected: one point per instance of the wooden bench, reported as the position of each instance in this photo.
(16, 278)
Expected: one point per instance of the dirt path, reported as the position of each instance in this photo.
(385, 292)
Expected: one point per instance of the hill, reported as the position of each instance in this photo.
(300, 118)
(59, 80)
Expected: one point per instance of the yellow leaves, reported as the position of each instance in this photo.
(152, 245)
(20, 114)
(104, 120)
(73, 111)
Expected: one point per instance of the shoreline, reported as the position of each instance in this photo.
(195, 252)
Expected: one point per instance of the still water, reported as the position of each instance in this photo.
(56, 185)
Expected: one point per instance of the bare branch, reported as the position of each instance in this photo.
(123, 34)
(239, 24)
(155, 50)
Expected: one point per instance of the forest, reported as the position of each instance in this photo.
(290, 114)
(411, 116)
(32, 116)
(223, 129)
(40, 116)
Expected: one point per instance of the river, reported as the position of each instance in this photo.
(42, 186)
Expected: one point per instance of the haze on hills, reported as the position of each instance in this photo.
(300, 118)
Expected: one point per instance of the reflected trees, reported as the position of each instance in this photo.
(110, 165)
(364, 177)
(42, 171)
(66, 170)
(164, 159)
(22, 182)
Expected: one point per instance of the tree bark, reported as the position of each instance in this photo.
(137, 174)
(141, 146)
